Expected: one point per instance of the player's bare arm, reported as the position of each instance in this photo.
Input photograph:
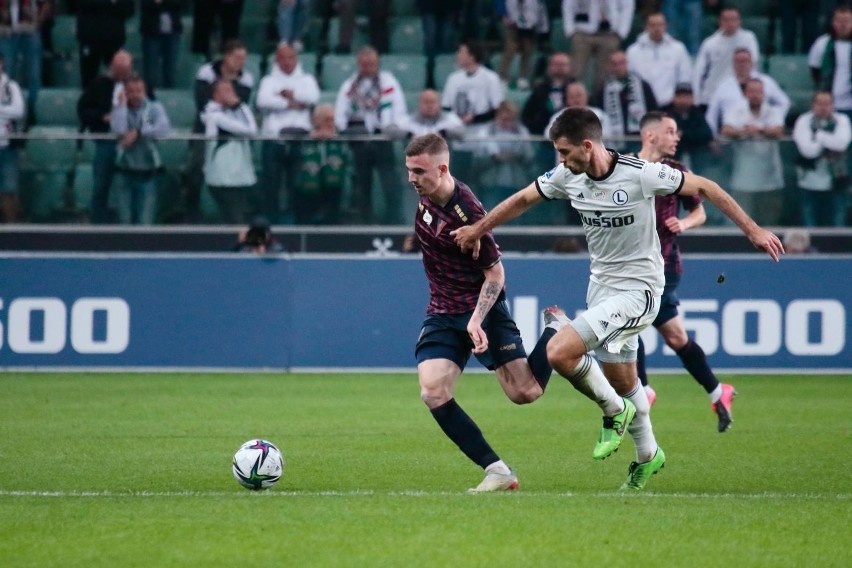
(467, 237)
(495, 278)
(759, 237)
(695, 218)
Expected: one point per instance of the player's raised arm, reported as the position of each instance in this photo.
(513, 206)
(759, 237)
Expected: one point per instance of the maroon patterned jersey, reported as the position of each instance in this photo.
(455, 279)
(669, 206)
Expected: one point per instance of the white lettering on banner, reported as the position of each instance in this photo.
(763, 317)
(832, 331)
(22, 338)
(117, 325)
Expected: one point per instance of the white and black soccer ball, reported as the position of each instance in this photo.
(258, 464)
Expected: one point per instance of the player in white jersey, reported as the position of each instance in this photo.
(614, 195)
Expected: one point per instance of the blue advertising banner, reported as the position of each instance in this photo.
(359, 312)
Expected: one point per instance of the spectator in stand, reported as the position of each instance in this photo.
(523, 21)
(576, 95)
(693, 149)
(371, 101)
(285, 98)
(228, 165)
(325, 166)
(138, 122)
(94, 109)
(506, 159)
(20, 34)
(429, 118)
(100, 33)
(822, 137)
(798, 241)
(12, 111)
(684, 18)
(659, 59)
(345, 11)
(292, 22)
(205, 15)
(548, 96)
(596, 29)
(229, 67)
(731, 89)
(161, 27)
(757, 176)
(625, 98)
(438, 18)
(799, 18)
(473, 92)
(830, 60)
(715, 56)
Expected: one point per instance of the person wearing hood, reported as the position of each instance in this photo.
(285, 99)
(659, 59)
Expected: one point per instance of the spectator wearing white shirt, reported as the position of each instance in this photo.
(830, 60)
(371, 101)
(472, 91)
(576, 95)
(285, 98)
(596, 28)
(757, 176)
(730, 90)
(659, 59)
(713, 63)
(822, 138)
(429, 118)
(228, 165)
(12, 110)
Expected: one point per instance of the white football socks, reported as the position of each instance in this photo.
(716, 394)
(640, 429)
(498, 467)
(588, 378)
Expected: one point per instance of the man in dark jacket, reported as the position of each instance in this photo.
(695, 133)
(100, 33)
(93, 109)
(548, 96)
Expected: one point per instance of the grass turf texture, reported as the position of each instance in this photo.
(134, 470)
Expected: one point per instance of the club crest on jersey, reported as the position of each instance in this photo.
(619, 197)
(427, 217)
(460, 213)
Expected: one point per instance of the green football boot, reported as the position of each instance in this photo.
(612, 432)
(638, 474)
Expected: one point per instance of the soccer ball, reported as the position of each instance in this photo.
(258, 464)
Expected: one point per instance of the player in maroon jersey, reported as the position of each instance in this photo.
(659, 143)
(467, 311)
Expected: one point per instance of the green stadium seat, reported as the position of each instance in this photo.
(186, 69)
(412, 101)
(82, 186)
(260, 9)
(444, 65)
(180, 106)
(254, 65)
(255, 33)
(57, 106)
(335, 70)
(328, 97)
(65, 33)
(558, 41)
(791, 72)
(175, 152)
(518, 97)
(43, 193)
(410, 70)
(51, 149)
(406, 35)
(65, 69)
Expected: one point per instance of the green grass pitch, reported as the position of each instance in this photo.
(134, 470)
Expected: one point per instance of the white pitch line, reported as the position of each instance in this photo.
(414, 493)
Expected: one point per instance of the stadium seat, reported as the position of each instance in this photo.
(65, 33)
(444, 65)
(409, 70)
(180, 106)
(519, 97)
(255, 33)
(406, 35)
(174, 152)
(328, 97)
(558, 41)
(51, 149)
(335, 70)
(253, 65)
(82, 186)
(65, 69)
(791, 72)
(57, 106)
(187, 68)
(43, 193)
(412, 101)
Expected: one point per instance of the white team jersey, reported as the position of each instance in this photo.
(618, 217)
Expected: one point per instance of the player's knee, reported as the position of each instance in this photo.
(435, 396)
(528, 395)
